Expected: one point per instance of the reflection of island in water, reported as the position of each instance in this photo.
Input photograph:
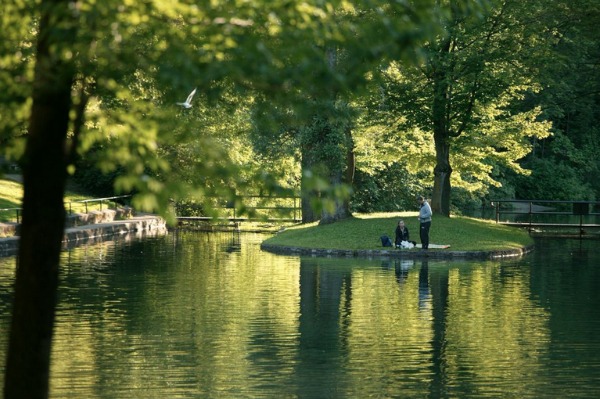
(346, 322)
(356, 320)
(335, 307)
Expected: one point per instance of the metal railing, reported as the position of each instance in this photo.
(256, 208)
(88, 203)
(544, 214)
(9, 212)
(14, 214)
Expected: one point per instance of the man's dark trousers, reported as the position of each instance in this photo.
(424, 232)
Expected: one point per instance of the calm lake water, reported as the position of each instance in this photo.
(209, 315)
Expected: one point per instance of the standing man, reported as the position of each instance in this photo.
(424, 221)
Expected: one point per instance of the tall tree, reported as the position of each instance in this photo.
(372, 31)
(469, 95)
(326, 148)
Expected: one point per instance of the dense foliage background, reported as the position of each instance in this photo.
(519, 99)
(356, 105)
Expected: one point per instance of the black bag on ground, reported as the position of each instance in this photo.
(386, 241)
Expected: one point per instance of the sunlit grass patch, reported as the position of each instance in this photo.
(364, 232)
(11, 196)
(11, 193)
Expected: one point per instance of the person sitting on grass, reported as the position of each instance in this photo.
(402, 235)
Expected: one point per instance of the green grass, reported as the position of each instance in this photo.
(11, 195)
(363, 232)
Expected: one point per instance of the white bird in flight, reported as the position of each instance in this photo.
(188, 100)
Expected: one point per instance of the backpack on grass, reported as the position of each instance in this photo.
(386, 241)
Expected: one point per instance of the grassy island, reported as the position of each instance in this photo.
(363, 231)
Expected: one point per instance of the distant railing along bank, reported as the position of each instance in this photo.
(256, 208)
(120, 200)
(82, 206)
(548, 214)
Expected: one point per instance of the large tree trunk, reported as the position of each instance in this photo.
(440, 200)
(306, 192)
(337, 167)
(350, 167)
(340, 211)
(42, 229)
(338, 177)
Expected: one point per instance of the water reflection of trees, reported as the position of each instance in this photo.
(174, 316)
(496, 336)
(246, 321)
(325, 313)
(426, 331)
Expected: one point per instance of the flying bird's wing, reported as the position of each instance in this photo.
(189, 99)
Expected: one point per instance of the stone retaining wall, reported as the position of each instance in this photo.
(135, 227)
(397, 253)
(8, 229)
(78, 219)
(9, 246)
(94, 217)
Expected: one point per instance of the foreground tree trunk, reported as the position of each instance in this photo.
(44, 177)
